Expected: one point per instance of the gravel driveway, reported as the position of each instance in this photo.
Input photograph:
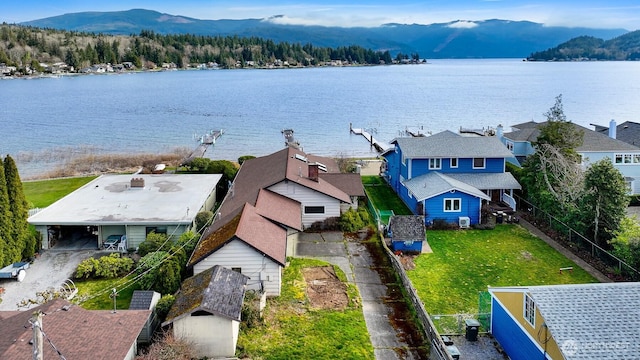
(50, 270)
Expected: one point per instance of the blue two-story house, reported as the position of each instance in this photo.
(449, 176)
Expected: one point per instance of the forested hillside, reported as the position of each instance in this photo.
(624, 47)
(24, 50)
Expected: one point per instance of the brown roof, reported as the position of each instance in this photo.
(287, 164)
(247, 226)
(218, 291)
(280, 209)
(78, 334)
(348, 182)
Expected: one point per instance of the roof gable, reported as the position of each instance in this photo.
(217, 290)
(447, 144)
(435, 183)
(280, 209)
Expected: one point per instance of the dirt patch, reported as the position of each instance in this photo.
(324, 289)
(407, 261)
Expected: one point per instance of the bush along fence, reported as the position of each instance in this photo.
(587, 250)
(438, 350)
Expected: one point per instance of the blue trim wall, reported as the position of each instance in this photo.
(470, 206)
(465, 165)
(399, 245)
(510, 336)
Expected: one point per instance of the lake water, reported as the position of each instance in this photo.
(151, 112)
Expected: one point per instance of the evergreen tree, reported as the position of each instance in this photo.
(605, 202)
(7, 248)
(25, 241)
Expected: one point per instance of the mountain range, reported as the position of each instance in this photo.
(458, 39)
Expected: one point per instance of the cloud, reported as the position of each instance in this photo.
(461, 24)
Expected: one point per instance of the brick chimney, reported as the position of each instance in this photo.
(313, 171)
(137, 183)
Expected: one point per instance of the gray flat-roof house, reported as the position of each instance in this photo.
(130, 205)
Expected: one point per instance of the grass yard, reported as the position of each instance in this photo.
(103, 287)
(293, 330)
(464, 262)
(43, 193)
(383, 197)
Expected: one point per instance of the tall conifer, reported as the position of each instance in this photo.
(25, 241)
(7, 249)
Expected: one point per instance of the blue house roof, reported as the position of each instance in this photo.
(434, 183)
(448, 144)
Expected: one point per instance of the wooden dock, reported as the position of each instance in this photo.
(205, 141)
(378, 145)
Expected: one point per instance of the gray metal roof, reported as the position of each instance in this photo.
(593, 141)
(407, 227)
(434, 183)
(110, 199)
(488, 181)
(448, 144)
(143, 299)
(592, 321)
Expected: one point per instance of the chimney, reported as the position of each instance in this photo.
(137, 183)
(612, 129)
(499, 132)
(313, 171)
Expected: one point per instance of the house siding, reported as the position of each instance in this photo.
(465, 165)
(308, 197)
(210, 335)
(408, 246)
(262, 271)
(627, 170)
(469, 206)
(508, 333)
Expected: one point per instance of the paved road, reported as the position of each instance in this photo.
(50, 270)
(357, 263)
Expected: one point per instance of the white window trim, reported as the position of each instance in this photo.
(633, 158)
(453, 201)
(451, 163)
(484, 163)
(529, 316)
(439, 164)
(509, 145)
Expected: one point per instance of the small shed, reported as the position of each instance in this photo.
(407, 233)
(146, 300)
(207, 310)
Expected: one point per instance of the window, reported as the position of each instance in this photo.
(452, 205)
(478, 163)
(314, 209)
(156, 229)
(510, 146)
(624, 159)
(454, 162)
(435, 164)
(529, 310)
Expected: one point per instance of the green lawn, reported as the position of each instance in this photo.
(465, 262)
(383, 197)
(43, 193)
(292, 330)
(89, 288)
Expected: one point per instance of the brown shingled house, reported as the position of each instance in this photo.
(76, 333)
(271, 200)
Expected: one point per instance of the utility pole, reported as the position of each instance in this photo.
(37, 336)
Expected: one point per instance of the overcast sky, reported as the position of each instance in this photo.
(589, 13)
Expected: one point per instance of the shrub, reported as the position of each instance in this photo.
(164, 305)
(154, 242)
(352, 220)
(203, 218)
(110, 266)
(244, 158)
(160, 272)
(443, 224)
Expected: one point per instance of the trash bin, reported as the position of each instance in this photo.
(454, 352)
(473, 326)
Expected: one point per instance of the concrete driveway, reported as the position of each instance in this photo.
(50, 270)
(353, 258)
